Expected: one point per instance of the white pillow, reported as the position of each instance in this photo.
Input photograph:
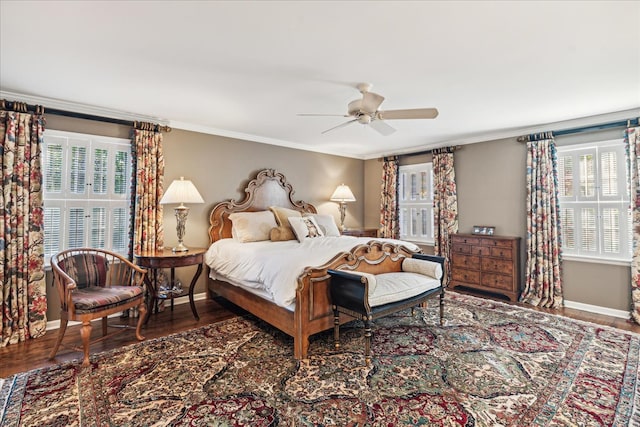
(422, 266)
(252, 226)
(327, 224)
(305, 228)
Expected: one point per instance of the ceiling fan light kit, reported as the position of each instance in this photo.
(365, 111)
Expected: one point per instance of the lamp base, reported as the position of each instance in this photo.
(343, 213)
(181, 219)
(180, 248)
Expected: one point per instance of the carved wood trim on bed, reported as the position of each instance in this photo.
(269, 188)
(313, 311)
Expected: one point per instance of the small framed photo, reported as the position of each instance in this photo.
(485, 230)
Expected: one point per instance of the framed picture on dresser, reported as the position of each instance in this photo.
(485, 230)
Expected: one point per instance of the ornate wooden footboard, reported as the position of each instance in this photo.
(313, 312)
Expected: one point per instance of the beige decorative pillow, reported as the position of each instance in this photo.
(282, 215)
(327, 224)
(422, 266)
(281, 234)
(305, 228)
(252, 226)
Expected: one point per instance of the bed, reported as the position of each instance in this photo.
(304, 308)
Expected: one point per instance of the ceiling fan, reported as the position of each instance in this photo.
(365, 111)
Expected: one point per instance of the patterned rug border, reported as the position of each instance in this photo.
(569, 319)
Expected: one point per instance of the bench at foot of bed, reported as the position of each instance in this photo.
(368, 296)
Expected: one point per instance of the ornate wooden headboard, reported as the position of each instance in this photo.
(268, 188)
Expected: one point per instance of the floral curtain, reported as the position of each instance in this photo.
(632, 145)
(22, 280)
(445, 203)
(389, 215)
(543, 283)
(147, 188)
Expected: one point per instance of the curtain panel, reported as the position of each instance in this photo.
(632, 146)
(543, 282)
(445, 204)
(22, 278)
(147, 190)
(389, 214)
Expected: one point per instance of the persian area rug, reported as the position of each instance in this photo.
(490, 364)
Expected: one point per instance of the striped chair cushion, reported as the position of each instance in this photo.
(97, 298)
(86, 269)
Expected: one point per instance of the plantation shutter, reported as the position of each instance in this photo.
(415, 201)
(86, 192)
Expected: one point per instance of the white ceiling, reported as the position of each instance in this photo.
(246, 69)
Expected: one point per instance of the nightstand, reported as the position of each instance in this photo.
(166, 258)
(360, 232)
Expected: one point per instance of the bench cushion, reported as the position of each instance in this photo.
(398, 286)
(428, 268)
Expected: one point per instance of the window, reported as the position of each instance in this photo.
(415, 202)
(87, 182)
(594, 199)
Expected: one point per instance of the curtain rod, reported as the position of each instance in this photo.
(450, 149)
(66, 113)
(592, 128)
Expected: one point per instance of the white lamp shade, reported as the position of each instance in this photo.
(181, 191)
(343, 194)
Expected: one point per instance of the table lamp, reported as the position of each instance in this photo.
(181, 191)
(342, 195)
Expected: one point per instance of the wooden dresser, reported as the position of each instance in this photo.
(487, 263)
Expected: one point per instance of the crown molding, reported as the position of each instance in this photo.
(480, 137)
(76, 107)
(255, 138)
(516, 132)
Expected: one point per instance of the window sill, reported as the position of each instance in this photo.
(594, 260)
(420, 242)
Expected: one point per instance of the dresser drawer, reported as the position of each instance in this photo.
(496, 265)
(481, 250)
(465, 261)
(465, 276)
(498, 252)
(465, 240)
(503, 243)
(497, 281)
(461, 249)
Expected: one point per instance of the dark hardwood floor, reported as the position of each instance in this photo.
(34, 353)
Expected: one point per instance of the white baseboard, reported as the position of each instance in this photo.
(597, 309)
(55, 324)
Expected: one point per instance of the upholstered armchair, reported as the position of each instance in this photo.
(93, 284)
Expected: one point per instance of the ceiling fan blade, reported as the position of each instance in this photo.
(370, 102)
(340, 125)
(382, 127)
(418, 113)
(323, 115)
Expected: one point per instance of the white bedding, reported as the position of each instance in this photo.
(273, 267)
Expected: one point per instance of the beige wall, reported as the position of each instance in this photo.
(220, 168)
(490, 179)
